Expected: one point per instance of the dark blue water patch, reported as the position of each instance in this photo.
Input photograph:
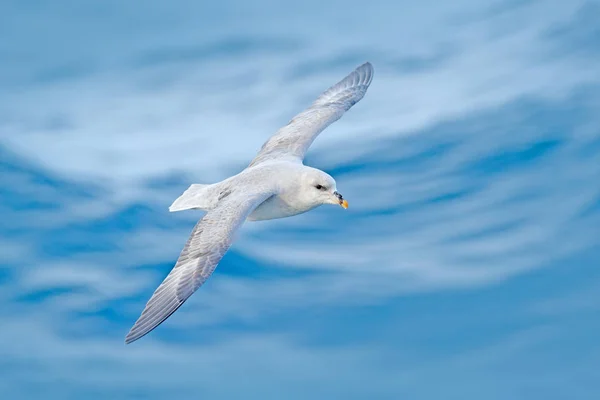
(108, 320)
(62, 73)
(335, 232)
(525, 195)
(92, 328)
(380, 160)
(486, 231)
(57, 122)
(578, 37)
(66, 243)
(50, 123)
(173, 181)
(392, 210)
(142, 393)
(163, 267)
(236, 264)
(42, 295)
(590, 149)
(6, 273)
(442, 330)
(210, 334)
(104, 233)
(424, 204)
(451, 196)
(416, 64)
(592, 209)
(15, 364)
(186, 337)
(12, 203)
(293, 235)
(25, 173)
(506, 7)
(494, 10)
(506, 160)
(226, 48)
(109, 312)
(85, 236)
(417, 206)
(132, 217)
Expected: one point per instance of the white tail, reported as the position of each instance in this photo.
(195, 197)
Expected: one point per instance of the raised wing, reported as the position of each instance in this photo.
(211, 238)
(293, 140)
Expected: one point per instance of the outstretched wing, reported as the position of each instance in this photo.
(211, 238)
(293, 140)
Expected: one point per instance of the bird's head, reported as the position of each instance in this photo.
(319, 188)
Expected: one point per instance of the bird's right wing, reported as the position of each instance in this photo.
(211, 238)
(293, 140)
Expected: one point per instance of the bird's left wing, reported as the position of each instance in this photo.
(293, 140)
(211, 238)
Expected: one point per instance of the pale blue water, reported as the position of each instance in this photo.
(467, 265)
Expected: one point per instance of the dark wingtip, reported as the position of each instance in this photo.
(129, 339)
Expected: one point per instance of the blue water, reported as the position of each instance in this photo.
(468, 263)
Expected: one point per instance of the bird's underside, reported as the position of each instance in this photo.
(248, 195)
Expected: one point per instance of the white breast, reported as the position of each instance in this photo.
(276, 207)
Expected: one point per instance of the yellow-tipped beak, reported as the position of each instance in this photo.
(344, 203)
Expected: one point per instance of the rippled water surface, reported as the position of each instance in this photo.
(467, 265)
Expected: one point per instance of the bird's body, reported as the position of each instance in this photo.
(276, 184)
(280, 178)
(284, 202)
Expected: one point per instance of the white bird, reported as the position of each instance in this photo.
(276, 184)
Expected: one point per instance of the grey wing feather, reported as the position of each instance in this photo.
(209, 241)
(293, 140)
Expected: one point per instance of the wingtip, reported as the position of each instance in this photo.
(350, 89)
(129, 339)
(365, 72)
(134, 335)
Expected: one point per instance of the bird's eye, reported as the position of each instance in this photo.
(320, 187)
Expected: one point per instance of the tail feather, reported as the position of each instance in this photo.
(193, 198)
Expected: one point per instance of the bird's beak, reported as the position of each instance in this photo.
(343, 202)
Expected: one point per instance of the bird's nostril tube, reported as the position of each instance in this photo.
(338, 195)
